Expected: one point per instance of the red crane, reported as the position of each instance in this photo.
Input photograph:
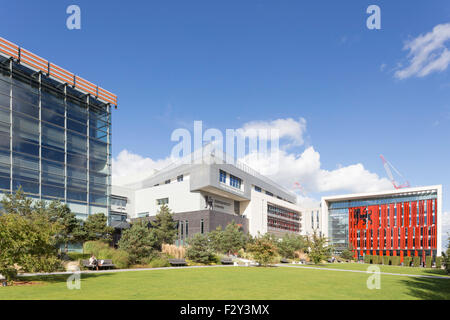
(387, 166)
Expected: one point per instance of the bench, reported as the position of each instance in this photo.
(177, 262)
(226, 261)
(284, 260)
(102, 264)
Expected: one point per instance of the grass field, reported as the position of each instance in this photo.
(231, 283)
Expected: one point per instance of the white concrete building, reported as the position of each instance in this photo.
(210, 193)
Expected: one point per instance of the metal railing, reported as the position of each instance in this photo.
(29, 59)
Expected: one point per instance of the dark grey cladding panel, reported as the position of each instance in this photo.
(211, 219)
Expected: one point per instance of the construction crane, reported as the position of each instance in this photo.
(388, 166)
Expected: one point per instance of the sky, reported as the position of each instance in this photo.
(340, 93)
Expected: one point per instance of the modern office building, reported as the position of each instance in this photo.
(312, 221)
(55, 133)
(404, 222)
(210, 193)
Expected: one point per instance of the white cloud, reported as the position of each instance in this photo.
(427, 53)
(306, 170)
(129, 167)
(289, 128)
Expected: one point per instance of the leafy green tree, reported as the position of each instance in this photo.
(290, 243)
(28, 237)
(229, 240)
(199, 249)
(96, 228)
(216, 239)
(164, 226)
(263, 250)
(348, 253)
(318, 248)
(446, 257)
(139, 241)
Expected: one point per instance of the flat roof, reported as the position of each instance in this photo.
(35, 62)
(405, 191)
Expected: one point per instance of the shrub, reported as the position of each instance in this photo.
(102, 250)
(159, 262)
(438, 262)
(94, 247)
(120, 258)
(416, 262)
(174, 251)
(263, 250)
(407, 261)
(75, 256)
(199, 249)
(428, 261)
(138, 241)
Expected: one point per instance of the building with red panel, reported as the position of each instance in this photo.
(404, 222)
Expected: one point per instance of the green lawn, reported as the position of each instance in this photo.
(383, 268)
(232, 283)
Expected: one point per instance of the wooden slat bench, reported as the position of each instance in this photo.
(226, 261)
(107, 264)
(177, 262)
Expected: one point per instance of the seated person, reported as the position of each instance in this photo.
(93, 261)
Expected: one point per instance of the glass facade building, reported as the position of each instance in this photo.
(55, 140)
(398, 224)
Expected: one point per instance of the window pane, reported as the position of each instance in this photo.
(97, 123)
(97, 134)
(4, 141)
(25, 108)
(5, 170)
(27, 186)
(52, 191)
(26, 128)
(77, 184)
(5, 156)
(25, 161)
(76, 143)
(53, 179)
(75, 194)
(98, 149)
(52, 117)
(25, 95)
(4, 183)
(4, 115)
(98, 178)
(5, 87)
(98, 188)
(4, 128)
(76, 111)
(98, 166)
(22, 146)
(52, 167)
(77, 160)
(52, 136)
(77, 173)
(76, 126)
(97, 198)
(4, 100)
(26, 174)
(52, 154)
(53, 101)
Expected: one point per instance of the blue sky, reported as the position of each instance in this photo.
(229, 63)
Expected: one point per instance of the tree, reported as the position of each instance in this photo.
(95, 228)
(199, 249)
(138, 241)
(318, 248)
(165, 227)
(290, 243)
(229, 240)
(263, 250)
(27, 237)
(71, 230)
(348, 253)
(216, 239)
(446, 257)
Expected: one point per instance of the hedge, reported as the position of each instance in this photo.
(428, 262)
(407, 261)
(438, 262)
(416, 262)
(386, 260)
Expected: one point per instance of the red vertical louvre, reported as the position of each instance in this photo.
(368, 236)
(391, 215)
(429, 212)
(413, 214)
(406, 214)
(425, 237)
(417, 235)
(399, 215)
(395, 239)
(373, 211)
(410, 237)
(434, 237)
(421, 213)
(388, 239)
(402, 238)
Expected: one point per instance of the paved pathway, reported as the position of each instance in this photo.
(361, 271)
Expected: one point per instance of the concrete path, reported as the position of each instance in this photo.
(360, 271)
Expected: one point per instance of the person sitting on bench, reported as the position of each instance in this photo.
(93, 262)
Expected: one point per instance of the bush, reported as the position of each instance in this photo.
(416, 262)
(407, 261)
(120, 258)
(94, 247)
(367, 258)
(76, 256)
(428, 261)
(263, 250)
(101, 250)
(159, 262)
(438, 262)
(199, 249)
(138, 241)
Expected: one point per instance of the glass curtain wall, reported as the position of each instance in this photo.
(55, 141)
